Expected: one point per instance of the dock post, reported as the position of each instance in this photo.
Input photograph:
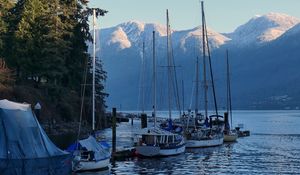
(144, 120)
(131, 120)
(114, 126)
(226, 121)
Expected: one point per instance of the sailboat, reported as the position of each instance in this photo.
(88, 153)
(153, 142)
(170, 124)
(230, 135)
(204, 131)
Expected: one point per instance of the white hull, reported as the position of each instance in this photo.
(91, 165)
(204, 143)
(230, 138)
(170, 152)
(151, 151)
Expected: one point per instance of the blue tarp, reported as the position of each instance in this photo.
(73, 146)
(22, 138)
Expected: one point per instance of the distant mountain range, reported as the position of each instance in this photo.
(264, 58)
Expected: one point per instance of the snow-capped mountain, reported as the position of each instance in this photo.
(134, 33)
(257, 31)
(264, 54)
(262, 29)
(190, 39)
(292, 31)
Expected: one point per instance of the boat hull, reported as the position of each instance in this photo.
(154, 151)
(173, 151)
(230, 138)
(204, 143)
(91, 165)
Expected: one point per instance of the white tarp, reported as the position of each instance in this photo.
(91, 144)
(5, 104)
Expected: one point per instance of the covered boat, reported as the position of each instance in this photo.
(24, 146)
(90, 154)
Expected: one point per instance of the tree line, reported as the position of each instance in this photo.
(44, 45)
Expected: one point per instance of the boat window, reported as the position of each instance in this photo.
(159, 139)
(170, 139)
(149, 139)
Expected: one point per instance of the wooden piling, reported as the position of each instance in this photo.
(114, 129)
(143, 120)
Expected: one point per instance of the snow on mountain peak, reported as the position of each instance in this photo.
(119, 37)
(265, 28)
(133, 33)
(258, 30)
(193, 38)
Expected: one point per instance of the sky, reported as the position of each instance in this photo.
(221, 15)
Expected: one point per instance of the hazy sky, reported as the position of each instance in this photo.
(221, 15)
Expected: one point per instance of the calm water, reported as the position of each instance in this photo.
(272, 148)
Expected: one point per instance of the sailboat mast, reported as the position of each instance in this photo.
(154, 80)
(227, 81)
(197, 86)
(143, 71)
(94, 65)
(169, 65)
(229, 107)
(204, 60)
(182, 85)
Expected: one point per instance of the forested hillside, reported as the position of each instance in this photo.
(44, 56)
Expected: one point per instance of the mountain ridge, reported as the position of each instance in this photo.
(257, 62)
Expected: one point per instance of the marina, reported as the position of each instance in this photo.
(271, 148)
(78, 97)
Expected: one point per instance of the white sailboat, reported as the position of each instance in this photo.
(170, 124)
(156, 141)
(230, 135)
(203, 131)
(89, 154)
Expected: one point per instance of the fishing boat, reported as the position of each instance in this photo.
(242, 133)
(89, 154)
(204, 130)
(155, 141)
(230, 135)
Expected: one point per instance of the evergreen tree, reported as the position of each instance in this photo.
(100, 77)
(5, 6)
(46, 43)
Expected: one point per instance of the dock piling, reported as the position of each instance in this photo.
(226, 121)
(144, 120)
